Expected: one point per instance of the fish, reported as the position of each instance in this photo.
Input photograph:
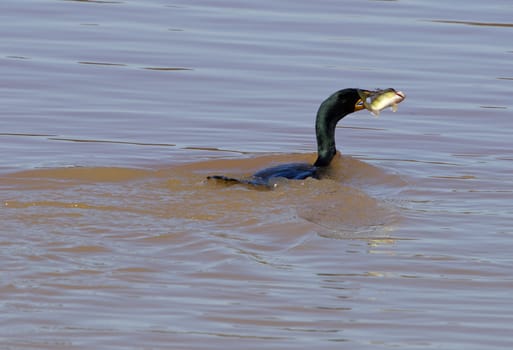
(377, 100)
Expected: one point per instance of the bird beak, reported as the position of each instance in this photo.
(359, 105)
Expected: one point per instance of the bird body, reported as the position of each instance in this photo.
(292, 171)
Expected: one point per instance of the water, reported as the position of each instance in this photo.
(114, 112)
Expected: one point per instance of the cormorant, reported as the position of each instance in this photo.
(331, 111)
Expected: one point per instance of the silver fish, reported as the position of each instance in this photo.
(378, 100)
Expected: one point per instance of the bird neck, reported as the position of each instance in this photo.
(327, 118)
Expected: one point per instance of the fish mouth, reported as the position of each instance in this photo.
(400, 94)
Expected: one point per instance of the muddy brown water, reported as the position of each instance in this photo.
(114, 112)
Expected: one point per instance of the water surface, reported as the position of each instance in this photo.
(114, 113)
